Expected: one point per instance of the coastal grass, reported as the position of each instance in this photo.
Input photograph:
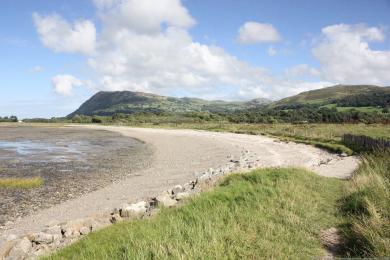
(325, 136)
(25, 183)
(367, 204)
(268, 213)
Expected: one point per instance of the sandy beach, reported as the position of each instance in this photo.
(180, 156)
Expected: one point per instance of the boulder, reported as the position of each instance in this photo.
(6, 247)
(41, 238)
(177, 189)
(85, 230)
(165, 200)
(115, 218)
(134, 210)
(183, 195)
(20, 249)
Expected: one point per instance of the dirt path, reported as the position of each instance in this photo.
(179, 155)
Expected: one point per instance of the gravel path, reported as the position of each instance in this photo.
(179, 156)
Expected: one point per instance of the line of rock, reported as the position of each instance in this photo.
(32, 246)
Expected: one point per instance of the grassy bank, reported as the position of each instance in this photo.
(269, 213)
(325, 136)
(367, 204)
(24, 183)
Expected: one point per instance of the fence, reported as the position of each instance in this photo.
(365, 143)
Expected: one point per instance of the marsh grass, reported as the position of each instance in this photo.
(325, 136)
(25, 183)
(367, 204)
(268, 213)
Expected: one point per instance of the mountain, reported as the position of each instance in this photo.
(340, 95)
(128, 102)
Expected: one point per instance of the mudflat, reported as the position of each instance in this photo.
(72, 161)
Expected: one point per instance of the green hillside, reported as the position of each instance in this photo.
(127, 102)
(340, 95)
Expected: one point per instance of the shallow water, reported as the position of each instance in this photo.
(72, 161)
(26, 150)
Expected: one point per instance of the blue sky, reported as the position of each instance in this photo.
(55, 54)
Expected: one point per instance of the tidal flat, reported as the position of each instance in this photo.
(71, 161)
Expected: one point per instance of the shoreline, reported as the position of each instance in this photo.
(180, 156)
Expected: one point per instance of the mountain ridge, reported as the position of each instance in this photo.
(106, 103)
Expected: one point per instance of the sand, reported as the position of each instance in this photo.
(179, 156)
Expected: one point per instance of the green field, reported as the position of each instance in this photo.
(269, 213)
(361, 109)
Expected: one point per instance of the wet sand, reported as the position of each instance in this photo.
(72, 162)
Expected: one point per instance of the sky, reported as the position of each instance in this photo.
(55, 54)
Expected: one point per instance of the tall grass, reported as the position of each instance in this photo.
(21, 182)
(367, 203)
(326, 136)
(269, 213)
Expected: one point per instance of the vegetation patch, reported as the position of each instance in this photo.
(268, 213)
(367, 204)
(21, 182)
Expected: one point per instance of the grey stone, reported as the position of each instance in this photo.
(20, 249)
(85, 230)
(166, 200)
(134, 210)
(183, 195)
(177, 189)
(42, 238)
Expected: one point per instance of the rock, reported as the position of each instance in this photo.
(204, 176)
(133, 210)
(54, 230)
(166, 200)
(85, 230)
(177, 189)
(41, 238)
(343, 155)
(6, 247)
(70, 232)
(183, 195)
(97, 224)
(11, 237)
(20, 249)
(115, 218)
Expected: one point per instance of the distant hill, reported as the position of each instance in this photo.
(128, 102)
(340, 95)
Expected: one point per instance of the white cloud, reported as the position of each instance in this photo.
(145, 46)
(253, 32)
(61, 36)
(64, 84)
(36, 69)
(301, 70)
(346, 56)
(146, 16)
(271, 51)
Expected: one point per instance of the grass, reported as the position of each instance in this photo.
(326, 136)
(361, 109)
(25, 183)
(268, 213)
(367, 204)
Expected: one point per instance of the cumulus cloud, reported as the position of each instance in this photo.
(64, 84)
(253, 32)
(145, 46)
(346, 56)
(146, 16)
(301, 70)
(62, 36)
